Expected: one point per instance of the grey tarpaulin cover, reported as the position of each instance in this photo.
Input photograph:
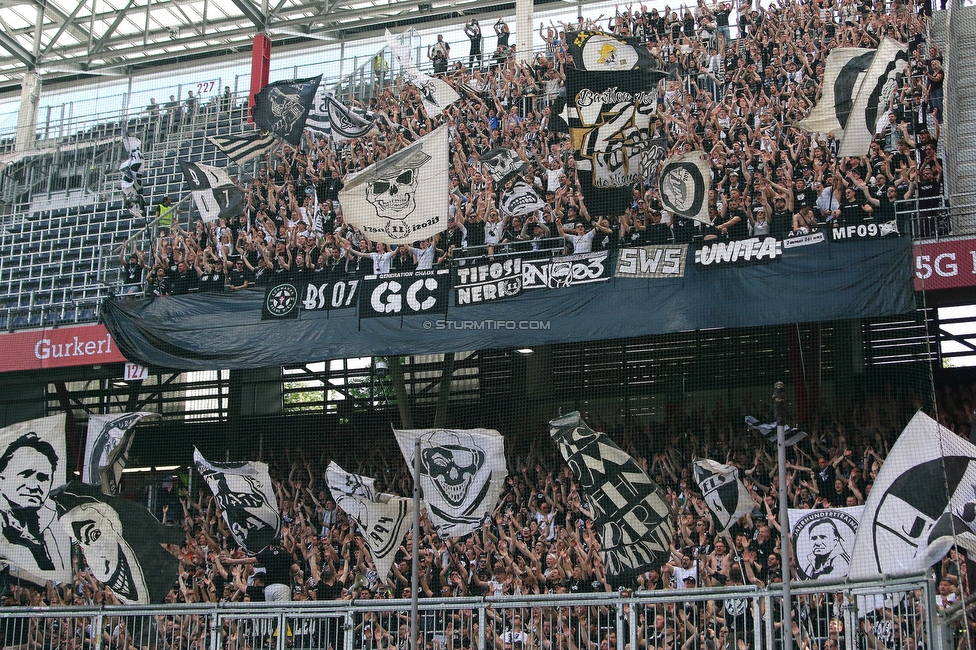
(822, 282)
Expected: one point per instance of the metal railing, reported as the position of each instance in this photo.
(843, 616)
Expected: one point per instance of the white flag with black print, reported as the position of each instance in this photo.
(632, 516)
(683, 185)
(383, 519)
(214, 192)
(922, 502)
(331, 119)
(843, 73)
(823, 540)
(462, 473)
(727, 498)
(873, 98)
(246, 498)
(404, 197)
(107, 448)
(32, 464)
(131, 167)
(436, 93)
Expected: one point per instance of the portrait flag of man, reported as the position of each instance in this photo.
(823, 540)
(282, 107)
(122, 542)
(246, 498)
(383, 519)
(32, 464)
(632, 516)
(923, 501)
(727, 498)
(683, 186)
(404, 197)
(462, 473)
(107, 448)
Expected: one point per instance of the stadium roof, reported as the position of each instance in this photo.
(77, 39)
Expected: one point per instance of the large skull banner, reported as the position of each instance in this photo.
(404, 197)
(462, 473)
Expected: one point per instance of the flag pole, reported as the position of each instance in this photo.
(779, 410)
(415, 552)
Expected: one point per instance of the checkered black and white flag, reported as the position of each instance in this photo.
(632, 517)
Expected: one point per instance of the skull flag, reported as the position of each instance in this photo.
(282, 107)
(502, 163)
(727, 498)
(107, 448)
(632, 517)
(383, 519)
(246, 499)
(122, 542)
(32, 464)
(683, 185)
(922, 502)
(404, 197)
(462, 473)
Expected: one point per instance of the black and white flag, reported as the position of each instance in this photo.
(725, 495)
(436, 93)
(331, 119)
(214, 193)
(632, 516)
(823, 540)
(404, 197)
(32, 464)
(843, 74)
(683, 185)
(131, 167)
(244, 147)
(923, 501)
(502, 163)
(462, 473)
(282, 107)
(383, 519)
(520, 200)
(122, 542)
(873, 98)
(107, 448)
(246, 498)
(595, 51)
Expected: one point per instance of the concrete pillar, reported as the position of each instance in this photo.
(524, 24)
(30, 97)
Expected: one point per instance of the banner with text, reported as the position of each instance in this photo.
(401, 294)
(566, 271)
(652, 262)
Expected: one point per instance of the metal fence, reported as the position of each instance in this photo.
(883, 614)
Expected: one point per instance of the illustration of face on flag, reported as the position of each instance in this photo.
(383, 519)
(244, 147)
(32, 464)
(602, 52)
(462, 473)
(632, 517)
(923, 501)
(823, 540)
(843, 74)
(502, 164)
(282, 107)
(873, 97)
(122, 542)
(214, 193)
(107, 448)
(436, 93)
(246, 498)
(131, 168)
(385, 200)
(727, 498)
(609, 116)
(683, 185)
(520, 200)
(333, 120)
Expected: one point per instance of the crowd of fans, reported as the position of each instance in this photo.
(739, 100)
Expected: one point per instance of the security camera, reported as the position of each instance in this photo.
(174, 33)
(382, 369)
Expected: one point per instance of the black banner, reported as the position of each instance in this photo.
(488, 282)
(402, 294)
(329, 295)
